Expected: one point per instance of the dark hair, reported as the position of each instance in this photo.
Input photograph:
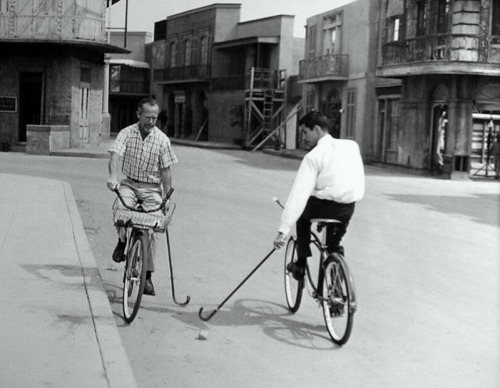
(313, 118)
(146, 101)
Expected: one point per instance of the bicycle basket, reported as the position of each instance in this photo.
(158, 221)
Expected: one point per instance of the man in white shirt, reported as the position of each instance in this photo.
(330, 180)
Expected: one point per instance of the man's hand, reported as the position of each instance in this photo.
(112, 184)
(279, 241)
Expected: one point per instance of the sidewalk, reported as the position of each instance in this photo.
(56, 327)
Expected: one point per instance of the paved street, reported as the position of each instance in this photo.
(424, 253)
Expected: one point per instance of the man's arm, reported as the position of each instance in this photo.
(302, 188)
(166, 179)
(113, 163)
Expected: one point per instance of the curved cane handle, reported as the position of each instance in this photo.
(188, 298)
(207, 318)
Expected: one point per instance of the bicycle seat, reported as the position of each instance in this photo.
(326, 221)
(322, 222)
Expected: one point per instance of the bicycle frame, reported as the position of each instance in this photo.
(317, 294)
(135, 228)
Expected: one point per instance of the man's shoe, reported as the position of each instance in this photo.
(149, 288)
(119, 252)
(298, 271)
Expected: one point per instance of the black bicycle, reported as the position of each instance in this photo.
(140, 225)
(334, 288)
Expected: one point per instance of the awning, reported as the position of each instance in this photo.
(128, 62)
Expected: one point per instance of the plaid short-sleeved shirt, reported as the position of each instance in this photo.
(143, 159)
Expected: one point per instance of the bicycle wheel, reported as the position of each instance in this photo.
(293, 288)
(135, 276)
(337, 292)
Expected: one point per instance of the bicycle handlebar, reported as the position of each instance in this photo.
(140, 210)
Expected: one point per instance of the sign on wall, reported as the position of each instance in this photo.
(8, 104)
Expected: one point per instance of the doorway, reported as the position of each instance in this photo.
(438, 136)
(387, 130)
(30, 101)
(332, 108)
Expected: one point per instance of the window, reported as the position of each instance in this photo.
(394, 25)
(311, 39)
(114, 78)
(442, 17)
(173, 54)
(421, 17)
(187, 52)
(85, 74)
(495, 18)
(350, 113)
(204, 50)
(331, 34)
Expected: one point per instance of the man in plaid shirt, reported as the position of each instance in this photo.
(147, 157)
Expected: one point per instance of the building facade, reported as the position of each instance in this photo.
(51, 73)
(129, 77)
(211, 71)
(447, 55)
(338, 71)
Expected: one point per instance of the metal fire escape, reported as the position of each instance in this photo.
(265, 102)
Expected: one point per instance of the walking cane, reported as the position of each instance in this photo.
(208, 317)
(188, 298)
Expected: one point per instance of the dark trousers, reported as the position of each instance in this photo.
(322, 208)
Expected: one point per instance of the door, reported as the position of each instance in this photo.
(83, 117)
(332, 108)
(387, 130)
(30, 101)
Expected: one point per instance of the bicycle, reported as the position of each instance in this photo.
(140, 225)
(334, 290)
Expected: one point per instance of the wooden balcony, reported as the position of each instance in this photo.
(328, 67)
(453, 53)
(180, 74)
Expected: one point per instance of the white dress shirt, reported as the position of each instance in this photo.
(333, 170)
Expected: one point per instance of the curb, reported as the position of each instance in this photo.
(83, 154)
(206, 144)
(116, 364)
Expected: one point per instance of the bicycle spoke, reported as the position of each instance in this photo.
(336, 293)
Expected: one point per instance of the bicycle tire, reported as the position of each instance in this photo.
(135, 276)
(337, 300)
(293, 288)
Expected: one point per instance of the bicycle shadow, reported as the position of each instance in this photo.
(274, 320)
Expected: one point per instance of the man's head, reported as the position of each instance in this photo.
(313, 126)
(147, 113)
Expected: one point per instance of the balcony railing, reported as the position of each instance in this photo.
(446, 47)
(330, 65)
(237, 82)
(87, 27)
(256, 78)
(183, 73)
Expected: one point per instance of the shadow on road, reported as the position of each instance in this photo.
(274, 320)
(488, 213)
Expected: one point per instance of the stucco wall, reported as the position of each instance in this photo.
(223, 108)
